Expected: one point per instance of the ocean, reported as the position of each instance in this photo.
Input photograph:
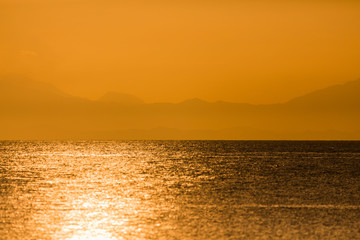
(179, 190)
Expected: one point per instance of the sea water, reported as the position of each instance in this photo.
(179, 190)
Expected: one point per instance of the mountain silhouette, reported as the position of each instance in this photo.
(35, 110)
(343, 97)
(15, 89)
(18, 93)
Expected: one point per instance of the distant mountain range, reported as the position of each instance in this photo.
(35, 110)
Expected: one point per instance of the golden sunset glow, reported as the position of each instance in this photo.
(170, 51)
(179, 119)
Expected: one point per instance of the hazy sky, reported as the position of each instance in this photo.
(240, 51)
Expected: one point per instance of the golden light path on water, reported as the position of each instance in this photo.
(92, 220)
(92, 195)
(99, 210)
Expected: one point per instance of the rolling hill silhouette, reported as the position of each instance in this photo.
(339, 97)
(34, 110)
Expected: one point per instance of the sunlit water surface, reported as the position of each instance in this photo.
(179, 190)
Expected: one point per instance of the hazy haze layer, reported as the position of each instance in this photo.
(35, 110)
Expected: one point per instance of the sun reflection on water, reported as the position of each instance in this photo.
(102, 198)
(92, 217)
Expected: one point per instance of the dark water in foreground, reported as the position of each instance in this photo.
(179, 190)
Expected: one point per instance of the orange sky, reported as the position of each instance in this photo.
(240, 51)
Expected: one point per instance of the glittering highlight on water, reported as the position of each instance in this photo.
(179, 190)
